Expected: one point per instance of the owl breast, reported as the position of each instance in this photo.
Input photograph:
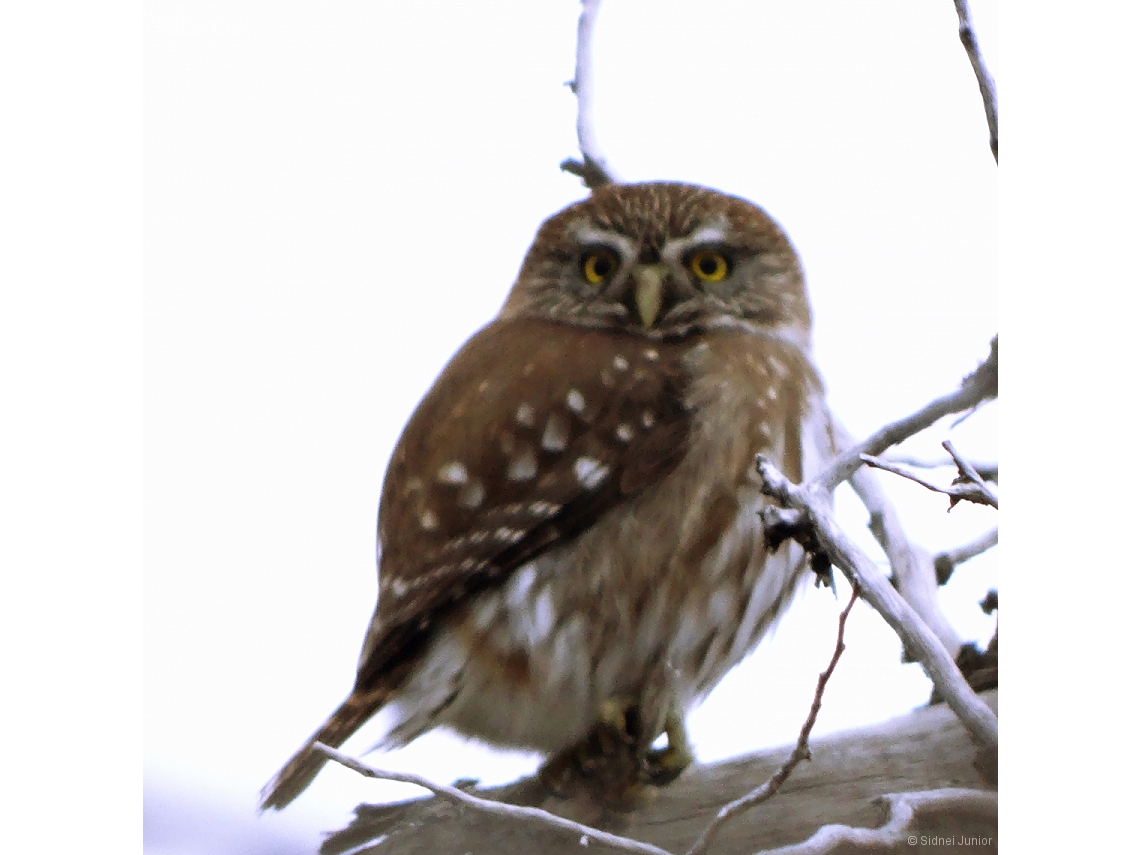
(656, 601)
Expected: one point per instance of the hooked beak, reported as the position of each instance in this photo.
(648, 281)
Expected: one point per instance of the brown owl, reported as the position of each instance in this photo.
(569, 535)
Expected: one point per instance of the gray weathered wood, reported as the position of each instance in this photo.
(925, 750)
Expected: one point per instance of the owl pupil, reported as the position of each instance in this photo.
(602, 266)
(707, 265)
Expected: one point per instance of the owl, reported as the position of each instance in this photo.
(568, 540)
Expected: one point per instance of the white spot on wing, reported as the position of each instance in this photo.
(623, 432)
(452, 473)
(509, 535)
(544, 509)
(429, 521)
(399, 587)
(621, 363)
(556, 434)
(648, 420)
(771, 393)
(524, 415)
(590, 472)
(523, 466)
(651, 354)
(575, 400)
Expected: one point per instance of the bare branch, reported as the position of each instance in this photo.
(800, 753)
(988, 471)
(516, 812)
(901, 824)
(912, 566)
(592, 167)
(968, 475)
(979, 386)
(957, 492)
(813, 499)
(985, 82)
(945, 562)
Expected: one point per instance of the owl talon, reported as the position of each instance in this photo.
(664, 765)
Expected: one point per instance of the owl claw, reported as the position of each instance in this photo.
(609, 761)
(664, 765)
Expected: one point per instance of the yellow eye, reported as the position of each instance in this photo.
(598, 265)
(708, 265)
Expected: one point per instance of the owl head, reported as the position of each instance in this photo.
(663, 260)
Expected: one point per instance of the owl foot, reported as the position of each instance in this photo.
(664, 765)
(604, 763)
(612, 763)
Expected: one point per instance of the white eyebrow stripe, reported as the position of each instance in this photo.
(674, 249)
(587, 234)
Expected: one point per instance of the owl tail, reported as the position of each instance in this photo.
(296, 775)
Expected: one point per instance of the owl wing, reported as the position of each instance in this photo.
(532, 432)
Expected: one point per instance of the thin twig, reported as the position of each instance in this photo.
(970, 475)
(815, 502)
(969, 492)
(592, 167)
(988, 471)
(977, 387)
(585, 832)
(985, 81)
(800, 753)
(946, 562)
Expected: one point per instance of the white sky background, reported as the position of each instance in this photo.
(339, 194)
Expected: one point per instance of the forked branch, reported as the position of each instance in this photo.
(814, 502)
(592, 167)
(979, 386)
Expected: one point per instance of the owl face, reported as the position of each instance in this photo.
(662, 261)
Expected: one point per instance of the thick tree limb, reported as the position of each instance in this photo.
(844, 784)
(592, 168)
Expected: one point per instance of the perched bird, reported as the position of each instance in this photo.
(568, 539)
